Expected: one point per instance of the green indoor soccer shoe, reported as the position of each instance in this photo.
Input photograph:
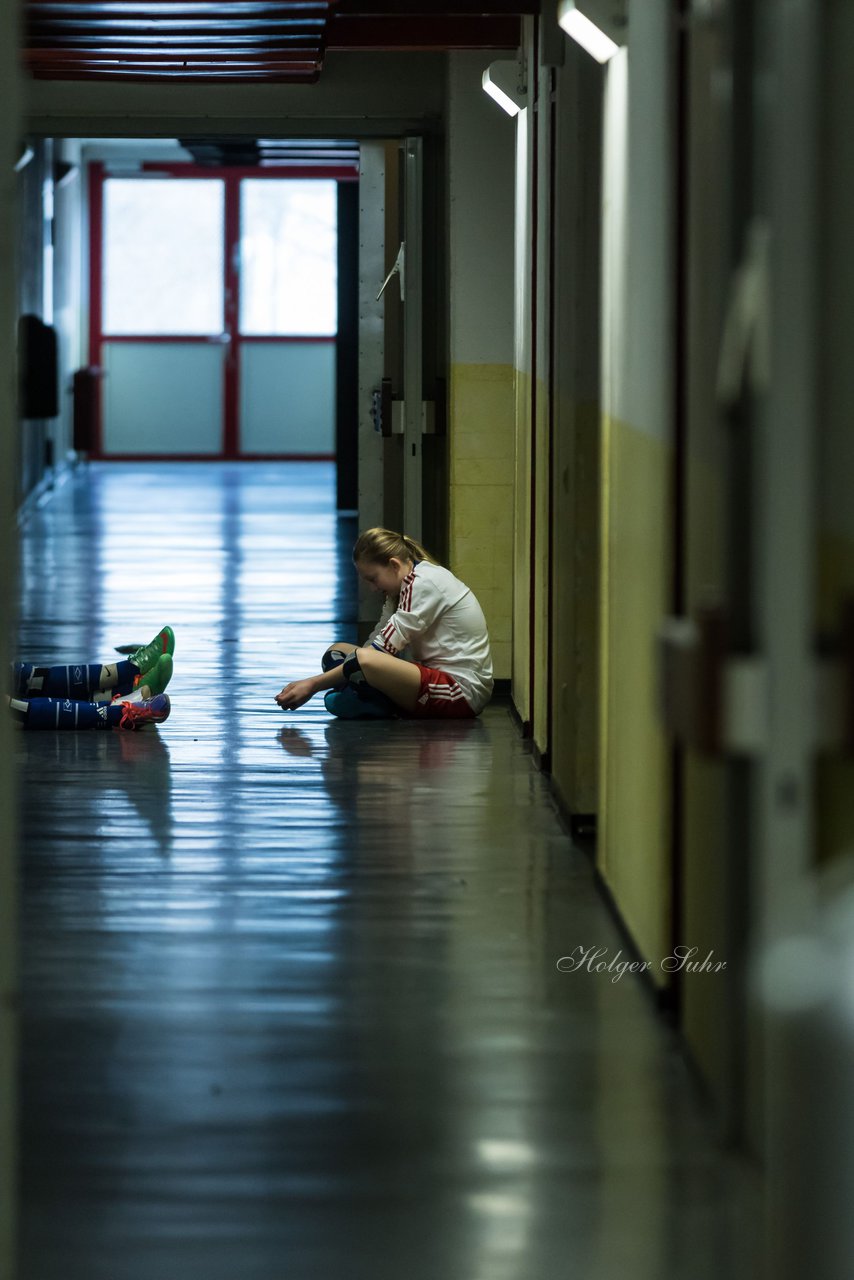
(156, 679)
(147, 656)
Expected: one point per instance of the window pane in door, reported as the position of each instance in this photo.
(289, 257)
(163, 256)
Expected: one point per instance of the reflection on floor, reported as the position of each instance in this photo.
(291, 1003)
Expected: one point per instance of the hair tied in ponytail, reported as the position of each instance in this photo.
(380, 545)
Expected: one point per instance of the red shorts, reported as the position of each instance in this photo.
(440, 697)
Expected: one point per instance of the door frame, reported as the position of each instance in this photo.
(231, 177)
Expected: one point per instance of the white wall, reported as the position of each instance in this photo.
(481, 147)
(68, 289)
(638, 224)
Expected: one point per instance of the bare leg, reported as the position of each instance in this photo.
(396, 678)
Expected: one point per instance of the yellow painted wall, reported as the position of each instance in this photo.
(633, 845)
(481, 392)
(481, 497)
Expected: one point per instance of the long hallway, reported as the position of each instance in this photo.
(292, 1005)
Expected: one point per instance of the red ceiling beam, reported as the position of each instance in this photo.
(97, 57)
(170, 27)
(250, 39)
(297, 71)
(104, 40)
(422, 34)
(285, 70)
(183, 75)
(241, 9)
(212, 41)
(367, 9)
(231, 9)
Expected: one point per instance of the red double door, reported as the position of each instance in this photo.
(214, 312)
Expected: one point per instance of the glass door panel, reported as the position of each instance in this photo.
(163, 256)
(288, 315)
(163, 342)
(216, 323)
(287, 398)
(163, 398)
(288, 257)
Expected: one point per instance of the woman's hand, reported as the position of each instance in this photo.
(295, 694)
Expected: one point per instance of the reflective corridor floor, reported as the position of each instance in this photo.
(291, 1004)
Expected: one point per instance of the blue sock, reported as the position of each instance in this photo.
(64, 713)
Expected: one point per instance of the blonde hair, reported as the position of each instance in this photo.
(378, 546)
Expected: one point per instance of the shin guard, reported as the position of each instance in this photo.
(371, 703)
(353, 673)
(65, 713)
(332, 658)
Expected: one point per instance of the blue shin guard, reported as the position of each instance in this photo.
(63, 713)
(80, 681)
(332, 658)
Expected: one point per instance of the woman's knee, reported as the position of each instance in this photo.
(335, 654)
(362, 664)
(367, 655)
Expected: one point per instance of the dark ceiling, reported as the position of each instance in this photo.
(282, 41)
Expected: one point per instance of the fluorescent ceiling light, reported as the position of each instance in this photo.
(585, 32)
(503, 82)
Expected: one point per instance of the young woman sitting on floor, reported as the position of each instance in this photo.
(427, 612)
